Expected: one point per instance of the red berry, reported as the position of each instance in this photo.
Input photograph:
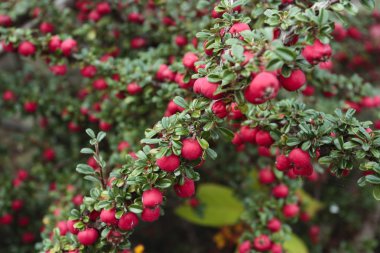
(219, 109)
(181, 40)
(88, 236)
(135, 17)
(299, 158)
(266, 176)
(30, 106)
(28, 237)
(248, 134)
(308, 91)
(237, 28)
(189, 60)
(280, 191)
(103, 8)
(68, 46)
(46, 27)
(316, 52)
(262, 243)
(26, 48)
(283, 163)
(71, 228)
(5, 21)
(128, 221)
(206, 88)
(208, 52)
(88, 71)
(274, 225)
(49, 154)
(168, 163)
(138, 42)
(263, 138)
(54, 43)
(6, 219)
(290, 210)
(134, 88)
(191, 150)
(295, 81)
(151, 198)
(108, 216)
(245, 247)
(58, 70)
(186, 190)
(123, 145)
(17, 204)
(9, 96)
(105, 126)
(150, 215)
(100, 84)
(276, 248)
(62, 226)
(263, 87)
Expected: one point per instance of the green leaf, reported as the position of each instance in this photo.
(295, 245)
(221, 207)
(180, 101)
(226, 133)
(90, 133)
(237, 51)
(87, 151)
(286, 54)
(101, 136)
(211, 153)
(85, 169)
(163, 183)
(92, 178)
(376, 192)
(368, 3)
(372, 179)
(135, 208)
(150, 141)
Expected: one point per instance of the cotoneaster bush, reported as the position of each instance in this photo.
(256, 119)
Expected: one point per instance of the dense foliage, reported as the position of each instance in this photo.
(189, 126)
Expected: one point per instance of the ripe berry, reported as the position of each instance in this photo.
(71, 228)
(103, 8)
(150, 215)
(49, 154)
(263, 138)
(26, 48)
(283, 163)
(168, 163)
(123, 145)
(54, 43)
(237, 28)
(316, 52)
(186, 190)
(245, 247)
(128, 221)
(266, 176)
(308, 91)
(46, 27)
(105, 126)
(263, 87)
(138, 42)
(262, 243)
(100, 84)
(88, 236)
(5, 21)
(9, 96)
(299, 158)
(172, 109)
(6, 219)
(181, 40)
(28, 237)
(295, 81)
(280, 191)
(17, 204)
(189, 60)
(208, 52)
(219, 109)
(151, 198)
(191, 150)
(248, 134)
(276, 248)
(135, 17)
(62, 226)
(206, 88)
(108, 216)
(30, 106)
(290, 210)
(68, 46)
(134, 88)
(274, 225)
(88, 71)
(58, 70)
